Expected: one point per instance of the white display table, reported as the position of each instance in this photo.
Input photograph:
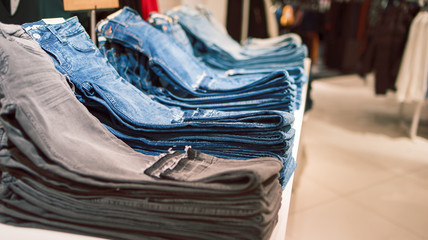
(281, 227)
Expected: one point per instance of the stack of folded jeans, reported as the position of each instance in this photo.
(170, 27)
(153, 128)
(168, 71)
(62, 169)
(218, 49)
(131, 66)
(251, 42)
(263, 43)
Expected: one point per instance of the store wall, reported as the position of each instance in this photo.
(31, 11)
(218, 7)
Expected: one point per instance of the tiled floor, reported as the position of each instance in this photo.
(359, 175)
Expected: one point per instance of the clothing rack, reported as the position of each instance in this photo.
(419, 102)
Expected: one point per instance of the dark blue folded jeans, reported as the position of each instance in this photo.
(130, 64)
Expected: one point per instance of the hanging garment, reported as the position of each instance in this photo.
(386, 43)
(148, 6)
(412, 76)
(391, 36)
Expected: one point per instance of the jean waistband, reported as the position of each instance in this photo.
(124, 16)
(41, 30)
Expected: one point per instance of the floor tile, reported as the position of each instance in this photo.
(288, 236)
(341, 219)
(308, 194)
(341, 170)
(361, 177)
(403, 201)
(421, 176)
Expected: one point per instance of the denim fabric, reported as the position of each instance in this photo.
(221, 51)
(101, 83)
(171, 28)
(117, 35)
(121, 106)
(129, 65)
(207, 13)
(175, 31)
(164, 57)
(132, 66)
(261, 43)
(62, 170)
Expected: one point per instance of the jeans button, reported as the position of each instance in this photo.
(36, 36)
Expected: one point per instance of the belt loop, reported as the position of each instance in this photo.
(54, 32)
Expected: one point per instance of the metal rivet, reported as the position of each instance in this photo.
(36, 36)
(109, 31)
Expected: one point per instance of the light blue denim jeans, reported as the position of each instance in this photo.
(164, 58)
(220, 50)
